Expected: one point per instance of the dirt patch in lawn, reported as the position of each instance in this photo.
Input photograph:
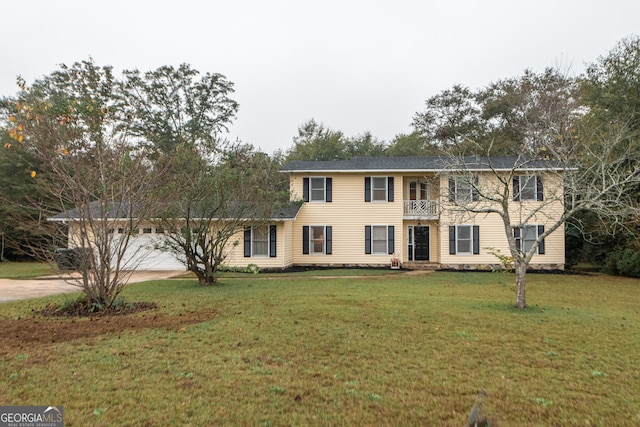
(21, 335)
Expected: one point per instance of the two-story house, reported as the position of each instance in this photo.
(368, 211)
(424, 212)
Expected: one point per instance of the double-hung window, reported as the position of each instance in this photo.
(528, 187)
(464, 240)
(260, 241)
(527, 236)
(316, 240)
(379, 239)
(378, 189)
(317, 189)
(463, 189)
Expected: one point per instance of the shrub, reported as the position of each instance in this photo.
(624, 263)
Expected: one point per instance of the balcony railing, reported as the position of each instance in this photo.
(421, 209)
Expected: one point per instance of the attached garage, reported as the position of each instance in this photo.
(144, 251)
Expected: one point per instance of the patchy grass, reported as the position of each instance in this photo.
(24, 270)
(398, 350)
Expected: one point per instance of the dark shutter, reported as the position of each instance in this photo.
(328, 245)
(247, 242)
(476, 239)
(540, 192)
(367, 188)
(391, 239)
(390, 189)
(305, 240)
(452, 190)
(305, 189)
(516, 234)
(516, 188)
(452, 240)
(272, 241)
(367, 239)
(328, 189)
(541, 244)
(474, 189)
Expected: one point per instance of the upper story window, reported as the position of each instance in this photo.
(527, 187)
(418, 190)
(317, 189)
(378, 189)
(463, 189)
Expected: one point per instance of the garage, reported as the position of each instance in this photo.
(144, 251)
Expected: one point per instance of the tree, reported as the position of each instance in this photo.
(210, 202)
(578, 168)
(413, 144)
(170, 107)
(450, 119)
(73, 129)
(316, 142)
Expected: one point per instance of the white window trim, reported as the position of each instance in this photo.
(386, 189)
(253, 255)
(458, 252)
(324, 189)
(522, 240)
(386, 240)
(324, 240)
(457, 194)
(522, 181)
(418, 183)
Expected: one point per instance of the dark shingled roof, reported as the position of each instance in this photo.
(419, 164)
(281, 211)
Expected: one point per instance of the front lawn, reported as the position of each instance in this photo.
(24, 270)
(290, 350)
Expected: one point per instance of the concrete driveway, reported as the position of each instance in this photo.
(13, 290)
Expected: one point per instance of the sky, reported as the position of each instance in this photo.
(354, 66)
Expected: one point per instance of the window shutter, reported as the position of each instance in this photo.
(247, 242)
(391, 239)
(541, 244)
(272, 241)
(390, 189)
(540, 192)
(516, 234)
(328, 245)
(474, 190)
(328, 189)
(305, 189)
(452, 240)
(305, 240)
(516, 188)
(452, 190)
(367, 188)
(367, 239)
(476, 239)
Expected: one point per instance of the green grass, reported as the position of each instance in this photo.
(24, 270)
(400, 350)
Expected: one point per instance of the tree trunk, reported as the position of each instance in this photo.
(521, 271)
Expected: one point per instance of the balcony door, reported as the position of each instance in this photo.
(418, 190)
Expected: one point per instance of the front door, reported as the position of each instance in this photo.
(421, 243)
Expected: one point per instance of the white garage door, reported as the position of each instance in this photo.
(144, 253)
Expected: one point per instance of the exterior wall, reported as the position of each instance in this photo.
(347, 214)
(492, 230)
(282, 260)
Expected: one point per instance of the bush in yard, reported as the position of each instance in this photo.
(625, 263)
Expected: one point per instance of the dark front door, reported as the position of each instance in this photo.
(421, 238)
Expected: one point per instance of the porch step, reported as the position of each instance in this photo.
(421, 265)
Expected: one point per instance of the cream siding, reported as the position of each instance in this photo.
(347, 214)
(283, 259)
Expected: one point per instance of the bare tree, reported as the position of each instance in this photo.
(72, 127)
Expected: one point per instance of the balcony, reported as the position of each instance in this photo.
(421, 209)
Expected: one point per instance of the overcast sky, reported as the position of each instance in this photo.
(354, 66)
